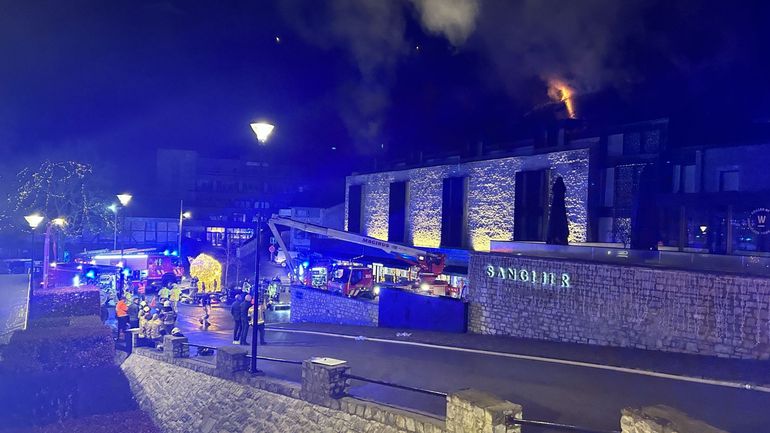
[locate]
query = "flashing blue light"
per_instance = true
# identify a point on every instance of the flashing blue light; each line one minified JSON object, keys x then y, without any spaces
{"x":165,"y":253}
{"x":126,"y":272}
{"x":91,"y":274}
{"x":175,"y":253}
{"x":305,"y":264}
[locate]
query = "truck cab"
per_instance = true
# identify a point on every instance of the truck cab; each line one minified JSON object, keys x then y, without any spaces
{"x":352,"y":281}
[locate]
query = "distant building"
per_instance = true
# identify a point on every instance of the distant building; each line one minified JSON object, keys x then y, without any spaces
{"x":331,"y":217}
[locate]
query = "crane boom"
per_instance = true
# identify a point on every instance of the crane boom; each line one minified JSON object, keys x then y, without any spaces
{"x":430,"y":262}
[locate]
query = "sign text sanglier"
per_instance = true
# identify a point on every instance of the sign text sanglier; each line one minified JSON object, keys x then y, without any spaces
{"x":528,"y":276}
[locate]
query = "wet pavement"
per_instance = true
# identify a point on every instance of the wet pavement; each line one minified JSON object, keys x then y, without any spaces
{"x":553,"y":392}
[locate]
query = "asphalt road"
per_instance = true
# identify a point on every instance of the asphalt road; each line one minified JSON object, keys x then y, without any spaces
{"x":560,"y":393}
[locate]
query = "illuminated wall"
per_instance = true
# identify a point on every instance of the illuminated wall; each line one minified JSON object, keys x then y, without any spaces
{"x":490,"y":199}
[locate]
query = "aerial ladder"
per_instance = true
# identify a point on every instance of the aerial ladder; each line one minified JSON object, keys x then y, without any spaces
{"x":430,"y":264}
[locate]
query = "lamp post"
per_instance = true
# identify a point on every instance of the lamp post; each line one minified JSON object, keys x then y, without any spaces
{"x":182,"y":216}
{"x":124,"y":199}
{"x":33,"y":220}
{"x":262,"y":130}
{"x":59,"y":222}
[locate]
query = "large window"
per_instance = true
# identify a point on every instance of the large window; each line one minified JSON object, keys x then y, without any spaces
{"x":530,"y":205}
{"x":453,"y":212}
{"x":397,"y":212}
{"x":354,"y":208}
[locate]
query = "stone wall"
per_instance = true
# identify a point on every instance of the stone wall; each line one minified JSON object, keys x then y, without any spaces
{"x":662,"y":419}
{"x":490,"y":200}
{"x":185,"y":395}
{"x":627,"y":306}
{"x":319,"y":306}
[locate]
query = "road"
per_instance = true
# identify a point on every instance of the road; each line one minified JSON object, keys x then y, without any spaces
{"x":561,"y":393}
{"x":13,"y":290}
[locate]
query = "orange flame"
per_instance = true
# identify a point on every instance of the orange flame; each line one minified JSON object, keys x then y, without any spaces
{"x":560,"y":91}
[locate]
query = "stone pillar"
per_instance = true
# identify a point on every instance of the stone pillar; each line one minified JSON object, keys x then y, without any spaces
{"x":661,"y":419}
{"x":231,"y":359}
{"x":473,"y":411}
{"x":323,"y":383}
{"x":175,"y":347}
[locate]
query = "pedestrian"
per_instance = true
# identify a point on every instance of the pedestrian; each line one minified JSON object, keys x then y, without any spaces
{"x":175,"y":296}
{"x":105,"y":311}
{"x":133,"y":313}
{"x":244,"y":316}
{"x":235,"y":311}
{"x":168,"y":316}
{"x":206,"y":305}
{"x":155,"y":330}
{"x":144,"y":311}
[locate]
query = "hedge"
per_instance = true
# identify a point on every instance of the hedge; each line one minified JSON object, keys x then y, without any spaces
{"x":134,"y":421}
{"x":57,"y":322}
{"x":83,"y":344}
{"x":64,"y":302}
{"x":42,"y":398}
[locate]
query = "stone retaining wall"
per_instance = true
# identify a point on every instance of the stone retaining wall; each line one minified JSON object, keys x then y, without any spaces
{"x":627,"y":306}
{"x":319,"y":306}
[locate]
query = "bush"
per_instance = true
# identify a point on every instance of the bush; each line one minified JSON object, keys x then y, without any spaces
{"x":134,"y":421}
{"x":64,"y":302}
{"x":41,"y":398}
{"x":86,"y":343}
{"x":59,"y":322}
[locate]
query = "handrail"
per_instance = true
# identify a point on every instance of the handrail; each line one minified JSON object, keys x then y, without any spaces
{"x":553,"y":425}
{"x":285,"y":361}
{"x":201,"y":345}
{"x":395,"y":385}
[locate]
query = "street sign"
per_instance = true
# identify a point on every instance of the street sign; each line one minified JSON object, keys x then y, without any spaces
{"x":272,"y":248}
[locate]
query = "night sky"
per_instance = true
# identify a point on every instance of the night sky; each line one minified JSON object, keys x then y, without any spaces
{"x":109,"y":82}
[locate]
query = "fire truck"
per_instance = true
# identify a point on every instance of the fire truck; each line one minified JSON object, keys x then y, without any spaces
{"x":156,"y":269}
{"x":352,"y":280}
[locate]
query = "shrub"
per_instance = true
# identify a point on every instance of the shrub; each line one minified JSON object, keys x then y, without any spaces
{"x":64,"y":302}
{"x":58,"y":322}
{"x":87,"y":343}
{"x":43,"y":398}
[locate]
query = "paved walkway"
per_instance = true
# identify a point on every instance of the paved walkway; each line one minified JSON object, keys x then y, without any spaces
{"x":744,"y":371}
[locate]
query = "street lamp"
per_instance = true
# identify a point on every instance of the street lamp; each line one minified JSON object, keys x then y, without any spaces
{"x":182,"y":216}
{"x":124,"y":199}
{"x":262,"y":130}
{"x":33,"y":220}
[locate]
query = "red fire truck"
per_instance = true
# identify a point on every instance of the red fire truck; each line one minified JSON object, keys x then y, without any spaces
{"x":155,"y":269}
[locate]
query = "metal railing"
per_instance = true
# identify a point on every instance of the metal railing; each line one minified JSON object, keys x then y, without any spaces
{"x":554,"y":426}
{"x":396,"y":385}
{"x":198,"y":355}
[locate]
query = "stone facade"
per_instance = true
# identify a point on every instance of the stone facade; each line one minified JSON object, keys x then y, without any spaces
{"x":627,"y":306}
{"x":473,"y":411}
{"x":662,"y":419}
{"x":320,"y":383}
{"x":319,"y":306}
{"x":490,"y":199}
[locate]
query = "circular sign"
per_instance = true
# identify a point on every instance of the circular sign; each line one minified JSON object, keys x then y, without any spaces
{"x":272,"y":248}
{"x":759,"y":221}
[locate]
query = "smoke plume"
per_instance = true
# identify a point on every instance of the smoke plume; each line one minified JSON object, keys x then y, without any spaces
{"x":454,"y":19}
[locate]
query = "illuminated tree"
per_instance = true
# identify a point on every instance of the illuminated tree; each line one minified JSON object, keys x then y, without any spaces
{"x":558,"y":227}
{"x":59,"y":189}
{"x":208,"y":271}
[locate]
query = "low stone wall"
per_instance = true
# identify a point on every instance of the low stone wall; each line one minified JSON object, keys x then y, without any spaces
{"x":185,"y":395}
{"x":627,"y":306}
{"x":319,"y":306}
{"x":662,"y":419}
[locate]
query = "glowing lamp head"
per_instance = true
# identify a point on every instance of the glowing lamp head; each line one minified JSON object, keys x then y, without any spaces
{"x":59,"y":221}
{"x":187,"y":215}
{"x":124,"y":198}
{"x":34,"y":220}
{"x":262,"y":130}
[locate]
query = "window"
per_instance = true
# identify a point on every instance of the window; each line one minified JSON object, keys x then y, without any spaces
{"x":397,"y":212}
{"x":530,"y":205}
{"x":453,"y":212}
{"x":215,"y":236}
{"x":354,"y":208}
{"x":728,"y":180}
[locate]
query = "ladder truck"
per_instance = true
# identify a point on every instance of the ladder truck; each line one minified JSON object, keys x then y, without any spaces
{"x":430,"y":264}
